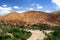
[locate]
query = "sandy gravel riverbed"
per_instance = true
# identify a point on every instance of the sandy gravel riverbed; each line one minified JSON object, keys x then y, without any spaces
{"x":37,"y":35}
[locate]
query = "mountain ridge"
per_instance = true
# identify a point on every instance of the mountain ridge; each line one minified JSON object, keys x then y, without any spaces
{"x":29,"y":18}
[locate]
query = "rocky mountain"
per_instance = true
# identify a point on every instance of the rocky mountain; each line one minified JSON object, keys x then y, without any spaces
{"x":56,"y":16}
{"x":30,"y":18}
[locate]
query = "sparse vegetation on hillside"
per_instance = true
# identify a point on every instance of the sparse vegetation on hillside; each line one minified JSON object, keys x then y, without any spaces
{"x":40,"y":27}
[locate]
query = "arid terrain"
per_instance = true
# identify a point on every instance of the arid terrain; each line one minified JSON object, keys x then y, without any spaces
{"x":34,"y":18}
{"x":30,"y":18}
{"x":37,"y":34}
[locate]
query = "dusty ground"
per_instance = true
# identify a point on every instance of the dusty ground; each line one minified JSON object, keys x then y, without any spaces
{"x":37,"y":35}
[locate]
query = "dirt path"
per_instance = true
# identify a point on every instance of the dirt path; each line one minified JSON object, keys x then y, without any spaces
{"x":36,"y":35}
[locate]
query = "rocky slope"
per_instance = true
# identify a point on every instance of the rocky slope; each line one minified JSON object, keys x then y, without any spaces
{"x":30,"y":18}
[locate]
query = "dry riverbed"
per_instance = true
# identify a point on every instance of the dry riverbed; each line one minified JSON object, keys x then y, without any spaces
{"x":37,"y":35}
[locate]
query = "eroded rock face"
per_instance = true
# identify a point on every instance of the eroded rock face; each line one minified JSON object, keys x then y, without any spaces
{"x":29,"y":18}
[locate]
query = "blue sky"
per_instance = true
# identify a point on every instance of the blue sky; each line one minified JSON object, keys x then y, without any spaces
{"x":7,"y":6}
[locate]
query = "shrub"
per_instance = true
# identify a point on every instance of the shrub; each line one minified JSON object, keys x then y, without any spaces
{"x":54,"y":36}
{"x":15,"y":31}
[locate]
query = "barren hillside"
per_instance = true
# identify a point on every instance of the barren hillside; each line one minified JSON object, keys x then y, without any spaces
{"x":30,"y":18}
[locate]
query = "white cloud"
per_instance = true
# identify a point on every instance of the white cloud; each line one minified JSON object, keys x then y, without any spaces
{"x":20,"y":11}
{"x":39,"y":7}
{"x":47,"y":11}
{"x":32,"y":4}
{"x":57,"y":2}
{"x":31,"y":9}
{"x":5,"y":10}
{"x":16,"y":7}
{"x":4,"y":5}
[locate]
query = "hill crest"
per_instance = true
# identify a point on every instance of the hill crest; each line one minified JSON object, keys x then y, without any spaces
{"x":30,"y":17}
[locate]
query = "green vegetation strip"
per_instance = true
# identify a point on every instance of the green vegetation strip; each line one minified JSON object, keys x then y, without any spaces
{"x":13,"y":33}
{"x":54,"y":35}
{"x":17,"y":32}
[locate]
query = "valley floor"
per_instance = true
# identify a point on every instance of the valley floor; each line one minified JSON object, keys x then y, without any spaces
{"x":37,"y":35}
